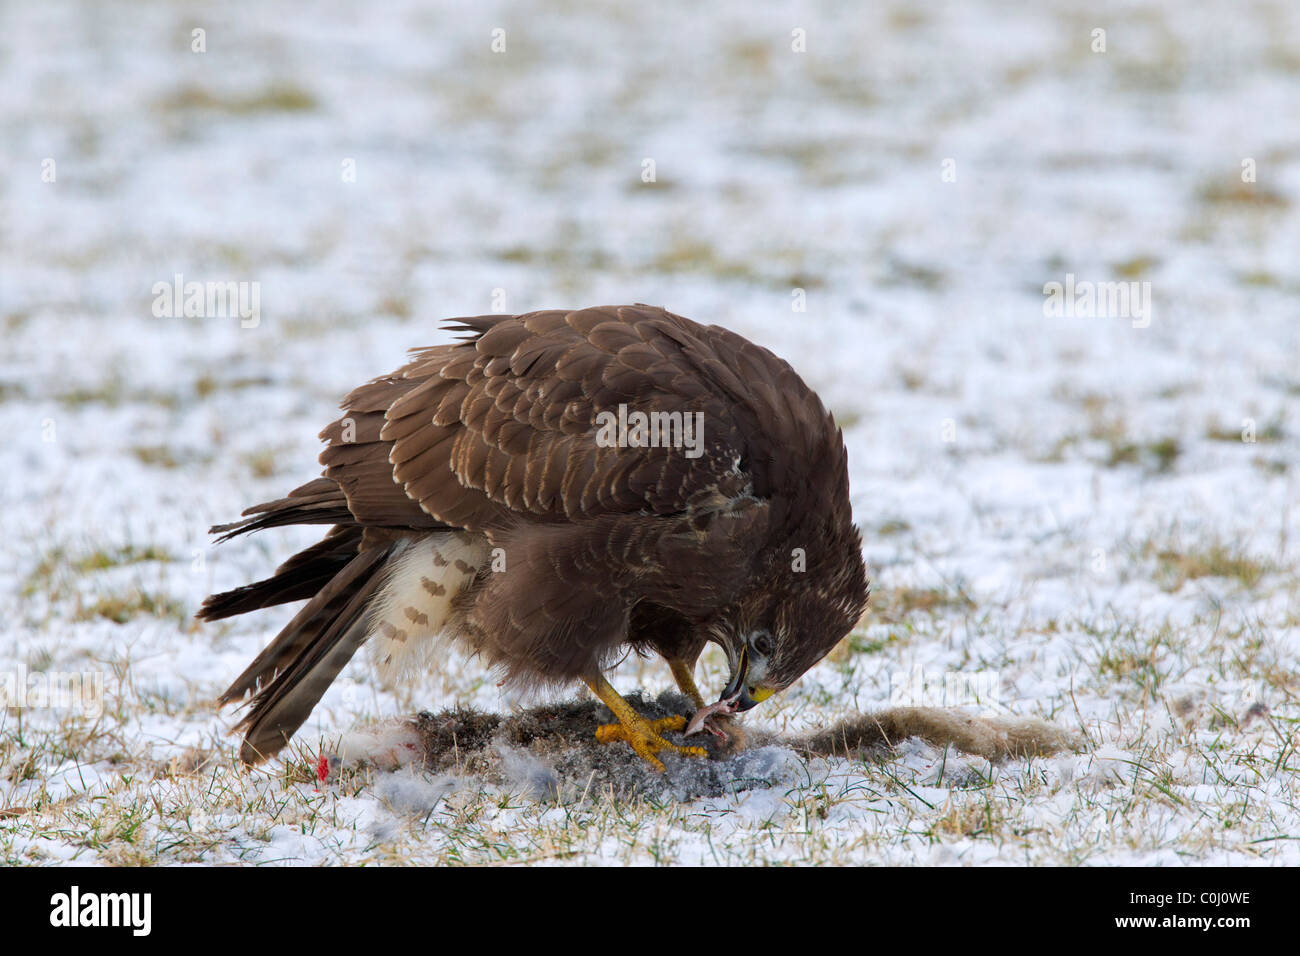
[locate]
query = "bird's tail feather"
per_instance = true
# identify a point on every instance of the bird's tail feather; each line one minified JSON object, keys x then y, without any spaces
{"x":301,"y":577}
{"x":320,"y":501}
{"x":294,"y":670}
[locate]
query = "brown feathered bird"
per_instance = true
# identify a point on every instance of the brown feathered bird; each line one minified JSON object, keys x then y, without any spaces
{"x":551,"y":490}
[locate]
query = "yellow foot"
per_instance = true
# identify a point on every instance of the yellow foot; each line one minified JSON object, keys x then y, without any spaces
{"x":643,"y":736}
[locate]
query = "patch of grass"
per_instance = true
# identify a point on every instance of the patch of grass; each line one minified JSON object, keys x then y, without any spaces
{"x":274,"y":98}
{"x":1130,"y":655}
{"x":16,"y":320}
{"x":1105,"y":425}
{"x":1164,"y":452}
{"x":900,"y":603}
{"x":158,"y":456}
{"x":1259,"y":278}
{"x":861,"y":643}
{"x":969,"y":818}
{"x":134,"y":603}
{"x":1234,"y":194}
{"x":563,"y":256}
{"x":1131,"y":665}
{"x":58,"y":563}
{"x":205,"y":385}
{"x":102,"y":558}
{"x":749,"y":55}
{"x":913,"y":379}
{"x":846,"y":419}
{"x":914,"y":274}
{"x":817,"y":160}
{"x":208,"y":384}
{"x":1175,"y":567}
{"x":1216,"y":432}
{"x":114,"y":392}
{"x":1272,"y":431}
{"x":261,"y":462}
{"x":1056,"y":453}
{"x":1136,"y":267}
{"x":892,"y":526}
{"x":692,"y":254}
{"x":395,"y":304}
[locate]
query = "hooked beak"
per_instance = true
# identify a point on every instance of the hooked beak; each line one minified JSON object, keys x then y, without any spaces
{"x":739,"y":693}
{"x":737,"y":696}
{"x":736,"y":693}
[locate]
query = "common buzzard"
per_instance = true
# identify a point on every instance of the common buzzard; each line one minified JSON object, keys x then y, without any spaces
{"x":550,"y":490}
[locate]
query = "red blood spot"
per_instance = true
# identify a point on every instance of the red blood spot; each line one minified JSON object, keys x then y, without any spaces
{"x":323,"y":768}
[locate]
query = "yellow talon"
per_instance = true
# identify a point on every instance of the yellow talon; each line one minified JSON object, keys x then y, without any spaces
{"x":642,"y":735}
{"x":608,"y":733}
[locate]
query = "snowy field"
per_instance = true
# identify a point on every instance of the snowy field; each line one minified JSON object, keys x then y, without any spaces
{"x":1086,"y":514}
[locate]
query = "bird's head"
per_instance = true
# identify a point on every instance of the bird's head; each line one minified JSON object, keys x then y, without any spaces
{"x":774,"y":635}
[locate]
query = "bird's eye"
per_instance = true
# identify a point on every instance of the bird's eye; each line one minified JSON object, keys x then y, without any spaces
{"x":762,"y":643}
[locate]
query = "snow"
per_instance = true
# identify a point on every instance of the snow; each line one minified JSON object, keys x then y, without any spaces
{"x":1093,"y":469}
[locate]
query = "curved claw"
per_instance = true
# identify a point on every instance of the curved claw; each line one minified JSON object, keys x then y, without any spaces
{"x":644,"y":737}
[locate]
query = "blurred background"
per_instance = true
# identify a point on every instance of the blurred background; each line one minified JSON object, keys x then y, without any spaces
{"x":879,"y":193}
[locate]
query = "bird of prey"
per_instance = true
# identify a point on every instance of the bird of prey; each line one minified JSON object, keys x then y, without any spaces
{"x":553,"y":489}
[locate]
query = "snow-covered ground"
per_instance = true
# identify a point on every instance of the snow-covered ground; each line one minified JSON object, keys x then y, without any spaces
{"x":1089,"y":515}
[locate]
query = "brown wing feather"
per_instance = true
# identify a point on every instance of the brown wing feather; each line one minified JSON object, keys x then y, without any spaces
{"x":534,"y":388}
{"x":502,"y":426}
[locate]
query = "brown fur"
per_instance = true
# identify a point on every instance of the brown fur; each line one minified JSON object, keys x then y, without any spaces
{"x":558,"y":738}
{"x":995,"y":738}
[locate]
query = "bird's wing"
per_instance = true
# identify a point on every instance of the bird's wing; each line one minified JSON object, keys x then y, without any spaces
{"x":505,"y":425}
{"x":500,"y":434}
